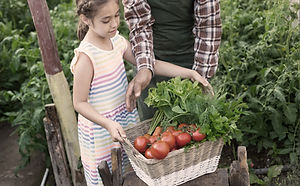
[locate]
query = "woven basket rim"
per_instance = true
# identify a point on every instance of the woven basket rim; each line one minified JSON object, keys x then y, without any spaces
{"x":139,"y":156}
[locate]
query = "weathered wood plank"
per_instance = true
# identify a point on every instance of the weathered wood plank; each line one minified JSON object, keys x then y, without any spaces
{"x":58,"y":85}
{"x":218,"y":178}
{"x":116,"y":163}
{"x":105,"y":173}
{"x":56,"y":148}
{"x":239,"y":174}
{"x":42,"y":22}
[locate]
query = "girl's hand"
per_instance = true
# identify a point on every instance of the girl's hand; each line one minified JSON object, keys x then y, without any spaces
{"x":207,"y":88}
{"x":116,"y":131}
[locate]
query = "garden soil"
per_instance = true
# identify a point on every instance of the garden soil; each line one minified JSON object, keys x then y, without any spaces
{"x":31,"y":175}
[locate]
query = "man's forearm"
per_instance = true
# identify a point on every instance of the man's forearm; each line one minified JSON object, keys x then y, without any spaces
{"x":208,"y":31}
{"x":139,"y":19}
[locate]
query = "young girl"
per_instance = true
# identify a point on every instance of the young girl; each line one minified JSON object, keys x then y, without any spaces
{"x":100,"y":83}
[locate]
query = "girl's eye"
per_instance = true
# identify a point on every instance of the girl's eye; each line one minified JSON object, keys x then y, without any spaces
{"x":105,"y":22}
{"x":117,"y":14}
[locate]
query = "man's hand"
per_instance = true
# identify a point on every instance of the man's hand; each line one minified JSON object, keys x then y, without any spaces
{"x":206,"y":87}
{"x":136,"y":86}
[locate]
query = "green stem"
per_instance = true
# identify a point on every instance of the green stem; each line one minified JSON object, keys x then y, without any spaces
{"x":157,"y":118}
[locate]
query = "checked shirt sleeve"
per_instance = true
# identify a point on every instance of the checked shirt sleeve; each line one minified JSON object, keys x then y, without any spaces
{"x":139,"y":20}
{"x":207,"y":31}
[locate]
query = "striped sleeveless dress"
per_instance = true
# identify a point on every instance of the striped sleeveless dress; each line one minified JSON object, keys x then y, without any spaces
{"x":107,"y":96}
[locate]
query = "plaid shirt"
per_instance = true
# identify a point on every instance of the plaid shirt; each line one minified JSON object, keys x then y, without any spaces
{"x":207,"y":30}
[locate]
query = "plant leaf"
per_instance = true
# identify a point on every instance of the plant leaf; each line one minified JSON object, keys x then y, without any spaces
{"x":274,"y":171}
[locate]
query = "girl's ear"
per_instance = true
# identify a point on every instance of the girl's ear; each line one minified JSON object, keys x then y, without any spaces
{"x":84,"y":19}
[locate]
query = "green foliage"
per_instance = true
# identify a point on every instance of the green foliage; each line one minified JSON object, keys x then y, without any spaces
{"x":273,"y":172}
{"x":182,"y":101}
{"x":260,"y":63}
{"x":24,"y":90}
{"x":23,"y":87}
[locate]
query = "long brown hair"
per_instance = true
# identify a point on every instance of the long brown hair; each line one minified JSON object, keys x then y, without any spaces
{"x":88,"y":8}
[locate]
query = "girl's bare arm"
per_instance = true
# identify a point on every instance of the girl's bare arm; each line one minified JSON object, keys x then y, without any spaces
{"x":83,"y":74}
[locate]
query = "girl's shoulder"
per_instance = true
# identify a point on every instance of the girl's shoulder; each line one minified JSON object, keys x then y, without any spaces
{"x":84,"y":47}
{"x":119,"y":42}
{"x":118,"y":38}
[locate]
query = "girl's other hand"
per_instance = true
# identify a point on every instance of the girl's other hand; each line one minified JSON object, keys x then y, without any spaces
{"x":116,"y":131}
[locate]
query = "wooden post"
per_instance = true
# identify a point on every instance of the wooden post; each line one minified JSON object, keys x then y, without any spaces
{"x":58,"y":85}
{"x":239,"y":174}
{"x":116,"y":165}
{"x":56,"y":148}
{"x":105,"y":173}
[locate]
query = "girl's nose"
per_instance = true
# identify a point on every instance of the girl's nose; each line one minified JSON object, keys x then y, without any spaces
{"x":115,"y":22}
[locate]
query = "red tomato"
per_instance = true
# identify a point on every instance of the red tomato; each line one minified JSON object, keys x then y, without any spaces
{"x":182,"y":125}
{"x":171,"y":129}
{"x":148,"y":154}
{"x":140,"y":143}
{"x":153,"y":139}
{"x":197,"y":136}
{"x":176,"y":132}
{"x":157,"y":131}
{"x":183,"y":139}
{"x":147,"y":136}
{"x":169,"y":139}
{"x":192,"y":128}
{"x":166,"y":133}
{"x":160,"y":150}
{"x":173,"y":149}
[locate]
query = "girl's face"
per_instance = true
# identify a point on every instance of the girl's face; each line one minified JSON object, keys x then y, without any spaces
{"x":107,"y":20}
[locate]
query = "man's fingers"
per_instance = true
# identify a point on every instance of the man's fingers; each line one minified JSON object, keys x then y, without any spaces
{"x":209,"y":90}
{"x":133,"y":102}
{"x":137,"y":89}
{"x":128,"y":97}
{"x":203,"y":81}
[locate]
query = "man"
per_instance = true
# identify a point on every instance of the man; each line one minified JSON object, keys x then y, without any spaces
{"x":184,"y":32}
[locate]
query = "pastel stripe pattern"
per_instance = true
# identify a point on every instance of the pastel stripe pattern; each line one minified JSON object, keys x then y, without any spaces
{"x":107,"y":95}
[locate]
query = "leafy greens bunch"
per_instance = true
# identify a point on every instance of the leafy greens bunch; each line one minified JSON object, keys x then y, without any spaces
{"x":183,"y":101}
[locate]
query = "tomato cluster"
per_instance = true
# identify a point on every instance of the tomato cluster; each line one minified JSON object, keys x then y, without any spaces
{"x":161,"y":142}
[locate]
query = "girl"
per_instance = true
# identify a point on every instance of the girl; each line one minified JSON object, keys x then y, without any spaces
{"x":100,"y":83}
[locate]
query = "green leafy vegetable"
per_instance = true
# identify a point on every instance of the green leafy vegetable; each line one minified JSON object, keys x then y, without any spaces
{"x":182,"y":101}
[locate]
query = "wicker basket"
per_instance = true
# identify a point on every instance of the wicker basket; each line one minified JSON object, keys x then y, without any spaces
{"x":178,"y":167}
